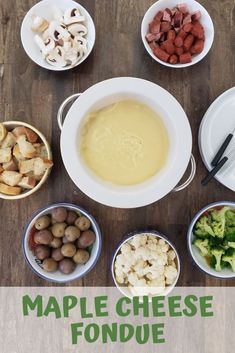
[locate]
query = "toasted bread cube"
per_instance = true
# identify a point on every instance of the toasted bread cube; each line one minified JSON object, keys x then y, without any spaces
{"x":18,"y":131}
{"x":26,"y":166}
{"x":41,"y":150}
{"x":26,"y":148}
{"x":37,"y":166}
{"x":32,"y":175}
{"x":31,"y":135}
{"x":11,"y":178}
{"x":5,"y":155}
{"x":10,"y":166}
{"x":27,"y":183}
{"x":9,"y":141}
{"x":41,"y":165}
{"x":10,"y":190}
{"x":16,"y":153}
{"x":3,"y":132}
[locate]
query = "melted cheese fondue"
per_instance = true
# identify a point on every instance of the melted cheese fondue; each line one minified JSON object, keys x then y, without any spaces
{"x":125,"y":143}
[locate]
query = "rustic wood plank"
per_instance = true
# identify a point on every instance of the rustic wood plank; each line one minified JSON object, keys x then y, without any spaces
{"x":32,"y":94}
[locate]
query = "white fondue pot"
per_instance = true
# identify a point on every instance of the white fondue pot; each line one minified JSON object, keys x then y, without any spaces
{"x":175,"y":121}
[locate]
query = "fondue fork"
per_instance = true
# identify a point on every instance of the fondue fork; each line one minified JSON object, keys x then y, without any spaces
{"x":222,"y":149}
{"x":217,"y":168}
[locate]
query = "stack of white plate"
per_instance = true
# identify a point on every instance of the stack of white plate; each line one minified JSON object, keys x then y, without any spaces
{"x":217,"y":124}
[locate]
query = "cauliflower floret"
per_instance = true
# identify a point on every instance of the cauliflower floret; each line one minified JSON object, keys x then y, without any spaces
{"x":132,"y":278}
{"x":170,"y":273}
{"x":159,"y":259}
{"x":171,"y":255}
{"x":154,"y":247}
{"x":154,"y":272}
{"x":172,"y":263}
{"x":142,"y":253}
{"x":126,"y":249}
{"x":161,"y":242}
{"x":120,"y":260}
{"x":139,"y":268}
{"x":123,"y":263}
{"x":120,"y":279}
{"x":119,"y":272}
{"x":152,"y":239}
{"x":169,"y":281}
{"x":138,"y":241}
{"x":164,"y":246}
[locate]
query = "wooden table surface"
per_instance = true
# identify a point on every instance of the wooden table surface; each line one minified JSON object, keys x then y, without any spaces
{"x":32,"y":94}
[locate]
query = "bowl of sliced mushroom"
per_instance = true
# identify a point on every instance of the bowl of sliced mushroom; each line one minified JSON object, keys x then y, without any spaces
{"x":25,"y":160}
{"x":58,"y":35}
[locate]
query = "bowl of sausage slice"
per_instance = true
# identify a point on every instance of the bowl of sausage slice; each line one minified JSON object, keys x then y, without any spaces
{"x":177,"y":34}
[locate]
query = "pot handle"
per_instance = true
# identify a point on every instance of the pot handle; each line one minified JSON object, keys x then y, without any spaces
{"x":62,"y":108}
{"x":190,"y":178}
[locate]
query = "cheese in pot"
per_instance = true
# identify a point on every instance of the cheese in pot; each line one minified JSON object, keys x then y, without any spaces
{"x":125,"y":143}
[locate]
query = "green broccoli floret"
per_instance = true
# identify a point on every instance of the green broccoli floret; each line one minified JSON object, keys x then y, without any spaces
{"x":223,"y":264}
{"x":214,"y":241}
{"x":229,"y":257}
{"x":203,"y":229}
{"x":230,"y":233}
{"x":230,"y":218}
{"x":231,"y":244}
{"x":217,"y":252}
{"x":218,"y":221}
{"x":202,"y":245}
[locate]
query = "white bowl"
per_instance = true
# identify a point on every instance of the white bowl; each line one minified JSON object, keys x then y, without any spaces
{"x":44,"y":8}
{"x":109,"y":92}
{"x":124,"y":289}
{"x":81,"y":270}
{"x":194,"y":251}
{"x":10,"y":125}
{"x":193,"y":5}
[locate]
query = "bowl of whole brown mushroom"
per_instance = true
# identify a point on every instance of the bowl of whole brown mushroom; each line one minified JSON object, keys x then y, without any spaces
{"x":62,"y":243}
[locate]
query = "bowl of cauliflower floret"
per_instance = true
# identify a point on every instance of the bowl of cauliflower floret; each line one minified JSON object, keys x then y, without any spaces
{"x":145,"y":263}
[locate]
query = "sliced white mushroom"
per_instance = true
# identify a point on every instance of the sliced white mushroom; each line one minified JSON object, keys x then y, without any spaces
{"x":46,"y":34}
{"x":58,"y":14}
{"x":72,"y":56}
{"x":50,"y":44}
{"x":77,"y":29}
{"x":73,"y":15}
{"x":39,"y":24}
{"x":80,"y":41}
{"x":58,"y":31}
{"x":67,"y":46}
{"x":56,"y":57}
{"x":44,"y":46}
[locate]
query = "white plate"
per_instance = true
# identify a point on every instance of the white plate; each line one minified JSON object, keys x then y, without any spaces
{"x":217,"y":123}
{"x":44,"y":9}
{"x":174,"y":118}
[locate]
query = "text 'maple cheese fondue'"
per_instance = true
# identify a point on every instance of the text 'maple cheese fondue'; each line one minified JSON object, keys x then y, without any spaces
{"x":125,"y":143}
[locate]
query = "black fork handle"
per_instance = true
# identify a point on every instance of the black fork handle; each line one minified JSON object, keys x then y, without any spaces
{"x":222,"y":150}
{"x":214,"y":171}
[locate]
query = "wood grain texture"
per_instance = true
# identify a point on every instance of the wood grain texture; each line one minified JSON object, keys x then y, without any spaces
{"x":32,"y":94}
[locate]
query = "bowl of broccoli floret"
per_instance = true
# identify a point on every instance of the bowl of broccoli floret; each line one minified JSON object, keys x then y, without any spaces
{"x":211,"y":239}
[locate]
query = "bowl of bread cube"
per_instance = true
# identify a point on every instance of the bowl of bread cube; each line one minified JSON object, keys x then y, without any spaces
{"x":25,"y":160}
